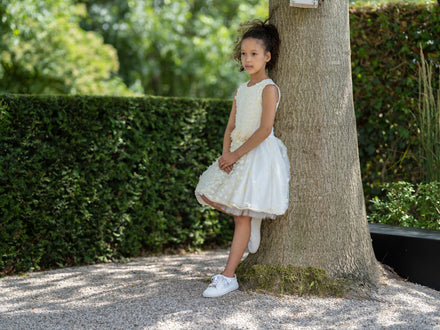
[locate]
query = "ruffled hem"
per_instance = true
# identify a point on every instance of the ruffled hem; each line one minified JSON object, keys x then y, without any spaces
{"x":235,"y":210}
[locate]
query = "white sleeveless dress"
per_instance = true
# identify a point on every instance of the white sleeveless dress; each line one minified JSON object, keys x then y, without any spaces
{"x":258,"y":185}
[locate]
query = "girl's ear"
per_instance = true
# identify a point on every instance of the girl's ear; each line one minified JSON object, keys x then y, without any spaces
{"x":268,"y":57}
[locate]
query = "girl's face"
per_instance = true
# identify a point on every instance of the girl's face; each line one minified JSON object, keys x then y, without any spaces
{"x":254,"y":56}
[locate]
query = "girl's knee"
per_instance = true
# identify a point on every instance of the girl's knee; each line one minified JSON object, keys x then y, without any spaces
{"x":242,"y":220}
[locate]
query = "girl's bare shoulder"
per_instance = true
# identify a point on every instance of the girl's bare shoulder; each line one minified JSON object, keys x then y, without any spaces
{"x":271,"y":92}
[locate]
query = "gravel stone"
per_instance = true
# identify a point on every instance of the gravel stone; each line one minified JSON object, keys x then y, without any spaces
{"x":166,"y":293}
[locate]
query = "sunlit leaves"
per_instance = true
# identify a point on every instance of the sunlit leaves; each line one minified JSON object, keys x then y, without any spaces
{"x":178,"y":48}
{"x":44,"y":51}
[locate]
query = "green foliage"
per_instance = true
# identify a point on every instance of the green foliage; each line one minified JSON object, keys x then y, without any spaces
{"x":174,"y":48}
{"x":407,"y":206}
{"x":385,"y":52}
{"x":44,"y":51}
{"x":428,"y":117}
{"x":377,"y":3}
{"x":84,"y":179}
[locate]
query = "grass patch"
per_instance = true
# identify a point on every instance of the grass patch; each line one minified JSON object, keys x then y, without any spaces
{"x":290,"y":280}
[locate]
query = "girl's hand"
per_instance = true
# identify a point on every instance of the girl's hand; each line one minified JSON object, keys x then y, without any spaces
{"x":228,"y":169}
{"x":227,"y":161}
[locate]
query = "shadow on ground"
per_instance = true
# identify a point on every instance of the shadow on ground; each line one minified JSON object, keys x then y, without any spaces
{"x":165,"y":292}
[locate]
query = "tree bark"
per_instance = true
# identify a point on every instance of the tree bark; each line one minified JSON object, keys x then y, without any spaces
{"x":325,"y":225}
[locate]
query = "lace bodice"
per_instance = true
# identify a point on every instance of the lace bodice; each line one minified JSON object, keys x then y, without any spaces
{"x":249,"y":105}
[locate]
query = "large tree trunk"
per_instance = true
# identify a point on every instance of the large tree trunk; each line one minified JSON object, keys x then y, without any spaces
{"x":325,"y":226}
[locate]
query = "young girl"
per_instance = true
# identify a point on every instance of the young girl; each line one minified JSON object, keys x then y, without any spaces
{"x":250,"y":181}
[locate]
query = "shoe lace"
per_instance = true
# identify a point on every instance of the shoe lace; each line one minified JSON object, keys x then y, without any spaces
{"x":216,"y":279}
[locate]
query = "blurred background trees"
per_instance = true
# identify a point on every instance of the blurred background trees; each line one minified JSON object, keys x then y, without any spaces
{"x":124,"y":47}
{"x":45,"y":51}
{"x":174,"y":48}
{"x":178,"y":48}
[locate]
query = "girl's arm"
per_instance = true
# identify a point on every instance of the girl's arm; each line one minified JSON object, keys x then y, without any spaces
{"x":229,"y":127}
{"x":270,"y":98}
{"x":227,"y":136}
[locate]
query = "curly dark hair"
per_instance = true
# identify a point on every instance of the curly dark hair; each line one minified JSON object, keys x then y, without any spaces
{"x":264,"y":31}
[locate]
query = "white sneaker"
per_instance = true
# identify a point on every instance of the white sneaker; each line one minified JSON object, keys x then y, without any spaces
{"x":220,"y":285}
{"x":254,"y":240}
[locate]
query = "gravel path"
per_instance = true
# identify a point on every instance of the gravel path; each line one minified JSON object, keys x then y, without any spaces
{"x":166,"y":293}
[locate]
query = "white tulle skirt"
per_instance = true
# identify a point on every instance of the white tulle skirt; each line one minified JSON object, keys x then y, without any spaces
{"x":258,"y":185}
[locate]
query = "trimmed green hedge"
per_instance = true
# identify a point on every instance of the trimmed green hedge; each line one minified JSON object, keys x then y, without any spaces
{"x":90,"y":178}
{"x":385,"y":52}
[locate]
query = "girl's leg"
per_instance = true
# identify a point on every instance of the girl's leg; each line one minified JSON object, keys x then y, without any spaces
{"x":227,"y":282}
{"x":242,"y":233}
{"x":240,"y":241}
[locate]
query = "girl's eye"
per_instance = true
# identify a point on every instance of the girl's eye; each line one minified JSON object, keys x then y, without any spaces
{"x":254,"y":54}
{"x":242,"y":54}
